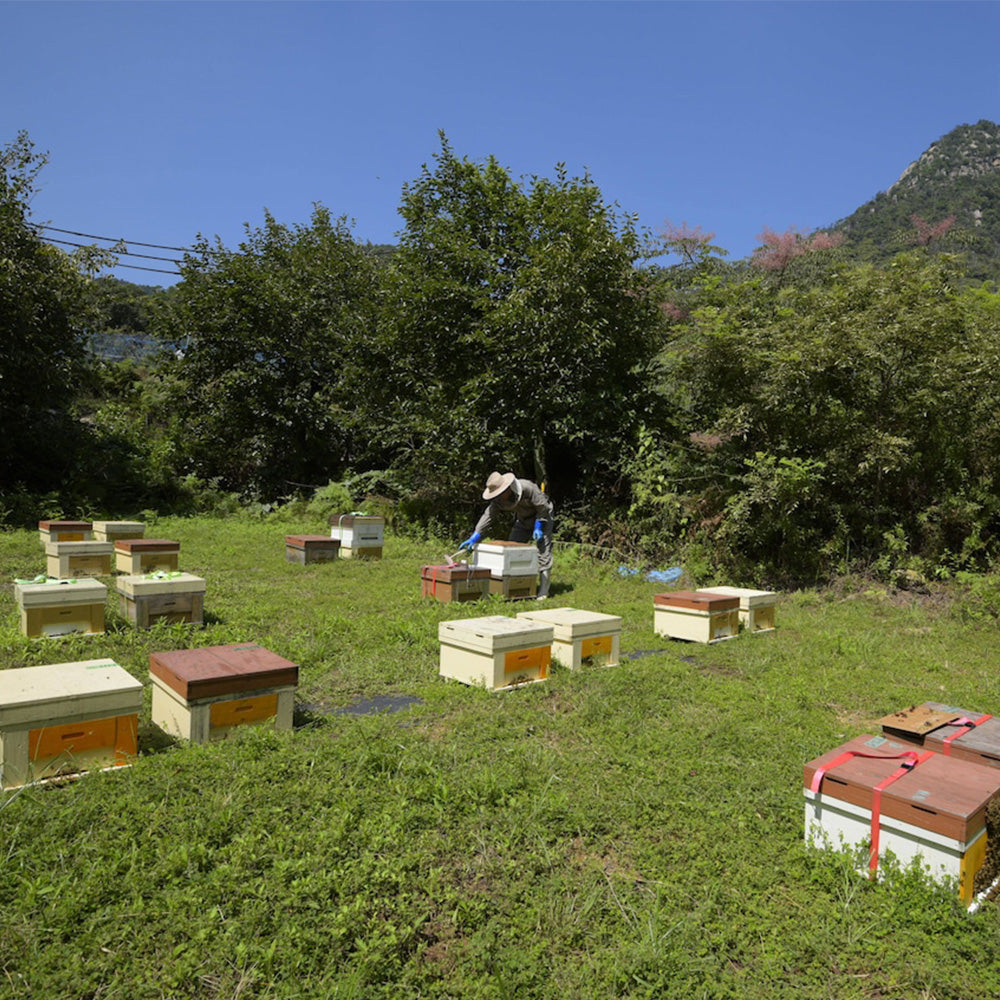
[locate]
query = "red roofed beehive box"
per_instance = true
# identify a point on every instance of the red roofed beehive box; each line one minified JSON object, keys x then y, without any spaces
{"x":894,"y":797}
{"x":202,"y":694}
{"x":449,"y":582}
{"x":696,"y":616}
{"x":136,"y":556}
{"x":65,"y":531}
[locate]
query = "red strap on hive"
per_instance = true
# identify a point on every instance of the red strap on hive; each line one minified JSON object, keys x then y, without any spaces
{"x":969,"y":725}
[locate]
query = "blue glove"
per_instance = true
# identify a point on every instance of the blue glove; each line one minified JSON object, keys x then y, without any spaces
{"x":470,"y":541}
{"x":537,"y":534}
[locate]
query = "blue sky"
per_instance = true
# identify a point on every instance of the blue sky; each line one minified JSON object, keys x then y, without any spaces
{"x":166,"y":120}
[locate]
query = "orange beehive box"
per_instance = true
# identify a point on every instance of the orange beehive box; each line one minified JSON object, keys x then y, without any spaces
{"x":201,"y":694}
{"x":66,"y":717}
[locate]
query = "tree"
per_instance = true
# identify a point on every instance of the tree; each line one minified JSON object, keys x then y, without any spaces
{"x":42,"y":319}
{"x":517,"y":329}
{"x":272,"y":337}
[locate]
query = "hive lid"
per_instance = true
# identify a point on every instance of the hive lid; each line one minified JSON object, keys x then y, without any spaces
{"x":51,"y":592}
{"x":694,"y":600}
{"x":979,"y":744}
{"x":79,"y":683}
{"x":748,"y":598}
{"x":454,"y":572}
{"x":918,"y":720}
{"x":348,"y":520}
{"x":300,"y":541}
{"x":941,"y":794}
{"x":143,"y":584}
{"x":87,"y":548}
{"x":495,"y":632}
{"x":65,"y":525}
{"x":120,"y":526}
{"x":573,"y":623}
{"x":219,"y":670}
{"x":499,"y":545}
{"x":146,"y":545}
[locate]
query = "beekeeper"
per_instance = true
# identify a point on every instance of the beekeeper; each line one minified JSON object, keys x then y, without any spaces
{"x":532,"y":511}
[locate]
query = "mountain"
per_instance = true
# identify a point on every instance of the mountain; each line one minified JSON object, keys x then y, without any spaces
{"x":957,"y":176}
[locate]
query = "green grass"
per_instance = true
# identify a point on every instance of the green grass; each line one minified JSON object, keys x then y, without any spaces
{"x":635,"y":831}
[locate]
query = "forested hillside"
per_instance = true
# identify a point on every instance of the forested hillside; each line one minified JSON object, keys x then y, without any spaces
{"x":811,"y":410}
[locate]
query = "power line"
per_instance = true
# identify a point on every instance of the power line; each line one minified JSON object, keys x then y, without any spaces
{"x":117,"y":239}
{"x":127,"y":253}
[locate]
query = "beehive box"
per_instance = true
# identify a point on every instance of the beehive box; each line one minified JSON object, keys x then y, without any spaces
{"x":514,"y":588}
{"x":61,"y":607}
{"x":305,"y":549}
{"x":955,"y":732}
{"x":66,"y":717}
{"x":757,"y":607}
{"x":64,"y":560}
{"x":136,"y":556}
{"x":203,"y":694}
{"x":494,"y":651}
{"x":64,"y":531}
{"x":360,"y":535}
{"x":450,"y":582}
{"x":934,"y":811}
{"x":697,"y":617}
{"x":111,"y":531}
{"x":504,"y":559}
{"x":580,"y":635}
{"x":162,"y":597}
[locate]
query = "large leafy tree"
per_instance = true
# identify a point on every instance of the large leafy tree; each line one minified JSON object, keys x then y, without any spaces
{"x":42,"y":321}
{"x":516,"y":329}
{"x":270,"y":338}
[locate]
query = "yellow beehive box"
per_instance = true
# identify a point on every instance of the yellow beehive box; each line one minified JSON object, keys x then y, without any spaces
{"x":137,"y":556}
{"x":687,"y":614}
{"x":61,"y":607}
{"x":361,"y":536}
{"x":495,"y":652}
{"x":66,"y":717}
{"x":580,"y":635}
{"x":168,"y":597}
{"x":203,"y":694}
{"x":74,"y":559}
{"x":111,"y":531}
{"x":756,"y":606}
{"x":64,"y":531}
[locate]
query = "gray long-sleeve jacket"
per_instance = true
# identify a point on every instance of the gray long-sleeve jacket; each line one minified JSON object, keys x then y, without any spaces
{"x":530,"y":505}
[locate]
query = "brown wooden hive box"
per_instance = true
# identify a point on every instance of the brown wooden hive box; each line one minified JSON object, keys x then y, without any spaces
{"x":219,"y":670}
{"x":941,"y":794}
{"x":306,"y":549}
{"x":454,"y":582}
{"x":931,"y":725}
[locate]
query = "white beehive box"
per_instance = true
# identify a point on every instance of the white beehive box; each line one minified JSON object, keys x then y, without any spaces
{"x":64,"y":531}
{"x":495,"y":652}
{"x":66,"y":717}
{"x":361,"y":536}
{"x":111,"y":531}
{"x":168,"y":597}
{"x":504,"y":559}
{"x":580,"y":635}
{"x":73,"y":559}
{"x":756,"y":606}
{"x":686,"y":614}
{"x":61,"y":607}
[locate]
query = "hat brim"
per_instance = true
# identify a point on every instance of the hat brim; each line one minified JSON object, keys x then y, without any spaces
{"x":505,"y":481}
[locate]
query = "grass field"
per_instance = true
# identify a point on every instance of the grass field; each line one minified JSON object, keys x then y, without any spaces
{"x":632,"y":831}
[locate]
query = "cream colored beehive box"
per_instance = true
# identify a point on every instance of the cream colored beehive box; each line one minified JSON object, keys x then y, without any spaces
{"x":494,"y":651}
{"x":64,"y":560}
{"x":61,"y":607}
{"x":168,"y":597}
{"x":64,"y":531}
{"x":361,"y":536}
{"x":756,"y":606}
{"x":687,"y":614}
{"x":66,"y":717}
{"x":505,"y":559}
{"x":580,"y":635}
{"x":111,"y":531}
{"x":137,"y":556}
{"x":203,"y":694}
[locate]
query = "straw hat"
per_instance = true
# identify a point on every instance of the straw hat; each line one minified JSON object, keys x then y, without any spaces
{"x":496,"y":484}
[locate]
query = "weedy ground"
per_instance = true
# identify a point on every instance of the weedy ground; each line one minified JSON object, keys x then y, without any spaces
{"x":630,"y":831}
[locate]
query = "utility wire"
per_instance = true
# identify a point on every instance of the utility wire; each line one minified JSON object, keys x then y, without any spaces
{"x":117,"y":239}
{"x":127,"y":253}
